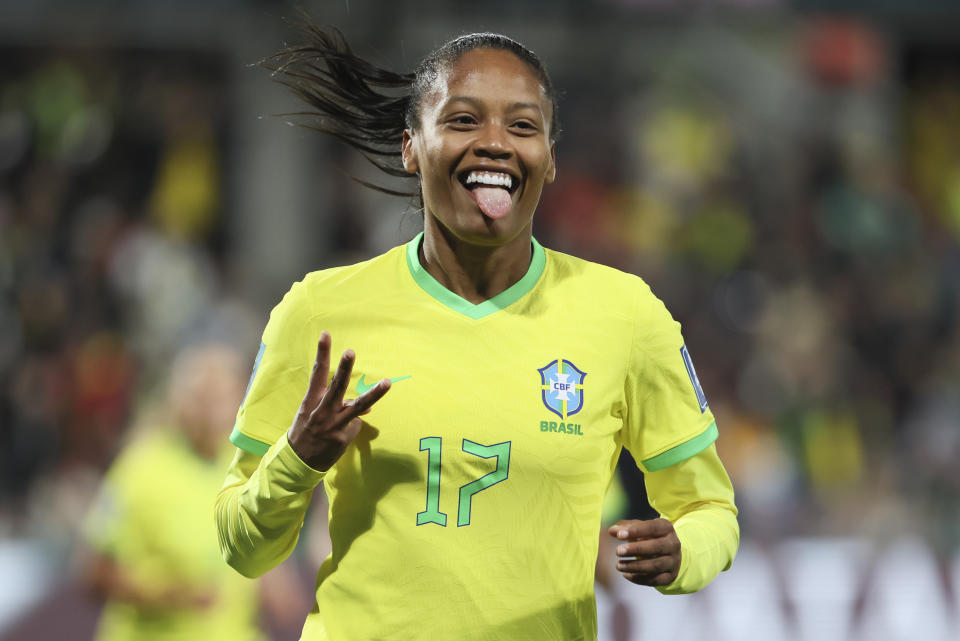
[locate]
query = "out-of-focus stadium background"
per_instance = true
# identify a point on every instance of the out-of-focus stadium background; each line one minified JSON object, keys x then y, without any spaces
{"x":785,"y":175}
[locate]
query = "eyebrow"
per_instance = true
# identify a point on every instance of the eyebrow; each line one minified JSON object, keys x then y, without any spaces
{"x":511,"y":107}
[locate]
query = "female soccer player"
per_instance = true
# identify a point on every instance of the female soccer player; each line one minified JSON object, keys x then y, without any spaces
{"x":464,"y":504}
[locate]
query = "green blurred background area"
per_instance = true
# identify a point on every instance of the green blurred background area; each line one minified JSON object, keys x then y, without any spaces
{"x":785,"y":175}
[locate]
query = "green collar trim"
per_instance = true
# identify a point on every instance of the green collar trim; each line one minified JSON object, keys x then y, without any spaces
{"x":445,"y":297}
{"x":683,"y":451}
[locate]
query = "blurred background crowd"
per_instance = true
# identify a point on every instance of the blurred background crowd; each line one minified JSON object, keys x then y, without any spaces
{"x":785,"y":175}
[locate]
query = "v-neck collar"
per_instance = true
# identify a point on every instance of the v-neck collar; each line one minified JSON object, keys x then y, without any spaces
{"x":444,"y":296}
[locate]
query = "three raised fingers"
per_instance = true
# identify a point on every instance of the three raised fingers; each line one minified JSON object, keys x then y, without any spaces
{"x":322,"y":399}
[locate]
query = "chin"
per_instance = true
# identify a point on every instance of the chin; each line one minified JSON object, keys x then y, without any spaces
{"x":481,"y":230}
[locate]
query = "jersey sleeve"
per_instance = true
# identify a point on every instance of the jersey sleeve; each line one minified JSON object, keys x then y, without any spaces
{"x":280,"y":375}
{"x":668,"y":419}
{"x":697,"y":497}
{"x":261,"y":506}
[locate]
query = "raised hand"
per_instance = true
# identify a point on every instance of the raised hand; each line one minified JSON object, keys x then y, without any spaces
{"x":650,"y":552}
{"x":325,"y":424}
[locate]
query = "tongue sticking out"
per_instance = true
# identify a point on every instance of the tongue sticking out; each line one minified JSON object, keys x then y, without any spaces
{"x":493,"y":201}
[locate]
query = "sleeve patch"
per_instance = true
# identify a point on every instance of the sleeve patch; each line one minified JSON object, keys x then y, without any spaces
{"x":692,"y":373}
{"x":253,"y":374}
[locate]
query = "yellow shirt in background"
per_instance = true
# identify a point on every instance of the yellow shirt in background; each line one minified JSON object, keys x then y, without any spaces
{"x":153,"y":519}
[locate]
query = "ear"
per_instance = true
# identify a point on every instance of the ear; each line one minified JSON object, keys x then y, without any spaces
{"x":408,"y":153}
{"x":552,"y":169}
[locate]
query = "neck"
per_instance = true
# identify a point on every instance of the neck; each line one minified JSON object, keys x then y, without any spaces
{"x":473,"y":272}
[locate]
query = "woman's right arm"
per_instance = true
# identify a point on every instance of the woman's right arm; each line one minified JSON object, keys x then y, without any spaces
{"x":262,"y":504}
{"x":261,"y":507}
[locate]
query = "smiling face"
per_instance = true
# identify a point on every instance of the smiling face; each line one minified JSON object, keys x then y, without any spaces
{"x":483,"y":147}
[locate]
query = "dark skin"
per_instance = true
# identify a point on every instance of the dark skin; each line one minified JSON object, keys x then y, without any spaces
{"x":487,"y":112}
{"x":655,"y":547}
{"x":325,"y":424}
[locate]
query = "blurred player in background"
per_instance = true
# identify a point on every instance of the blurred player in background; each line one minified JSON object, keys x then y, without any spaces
{"x":154,"y":557}
{"x":465,"y":504}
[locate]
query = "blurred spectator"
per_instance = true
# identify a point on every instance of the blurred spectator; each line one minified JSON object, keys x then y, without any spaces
{"x":162,"y":577}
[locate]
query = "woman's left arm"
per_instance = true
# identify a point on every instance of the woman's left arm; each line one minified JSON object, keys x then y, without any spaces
{"x":698,"y":535}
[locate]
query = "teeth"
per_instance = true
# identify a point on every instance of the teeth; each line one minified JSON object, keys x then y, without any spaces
{"x":490,"y":178}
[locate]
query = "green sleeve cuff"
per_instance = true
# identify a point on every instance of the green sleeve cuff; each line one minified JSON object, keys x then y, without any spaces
{"x":248,"y":444}
{"x":683,"y":451}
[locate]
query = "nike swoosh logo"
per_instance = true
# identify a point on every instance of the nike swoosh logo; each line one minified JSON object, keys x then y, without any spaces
{"x":362,"y":387}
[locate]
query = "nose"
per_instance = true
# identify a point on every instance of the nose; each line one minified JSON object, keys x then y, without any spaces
{"x":492,"y":143}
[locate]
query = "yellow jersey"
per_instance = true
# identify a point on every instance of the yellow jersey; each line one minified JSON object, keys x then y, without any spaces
{"x":152,"y":518}
{"x":469,"y":505}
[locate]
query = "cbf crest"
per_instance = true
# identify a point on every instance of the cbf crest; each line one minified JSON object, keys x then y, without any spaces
{"x":562,"y":385}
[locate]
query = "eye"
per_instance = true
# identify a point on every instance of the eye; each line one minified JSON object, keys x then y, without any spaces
{"x":462,"y":120}
{"x":524,"y":127}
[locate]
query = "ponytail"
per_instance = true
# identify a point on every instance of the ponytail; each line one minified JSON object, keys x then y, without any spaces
{"x":353,"y":100}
